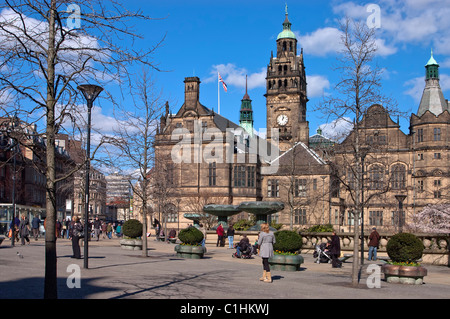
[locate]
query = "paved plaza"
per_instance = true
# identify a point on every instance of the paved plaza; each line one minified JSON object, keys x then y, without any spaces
{"x":120,"y":274}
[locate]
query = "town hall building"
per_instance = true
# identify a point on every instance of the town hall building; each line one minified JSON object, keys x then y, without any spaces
{"x":204,"y":158}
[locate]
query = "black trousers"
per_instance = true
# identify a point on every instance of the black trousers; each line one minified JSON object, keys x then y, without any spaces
{"x":220,"y":241}
{"x":265,"y":262}
{"x":76,"y":247}
{"x":335,"y":262}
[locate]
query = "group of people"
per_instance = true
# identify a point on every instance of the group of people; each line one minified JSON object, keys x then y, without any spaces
{"x":266,"y":240}
{"x":20,"y":228}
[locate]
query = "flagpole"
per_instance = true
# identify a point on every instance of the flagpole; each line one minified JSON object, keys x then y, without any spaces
{"x":218,"y":92}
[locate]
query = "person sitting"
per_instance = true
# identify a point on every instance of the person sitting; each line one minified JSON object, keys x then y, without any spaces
{"x":242,"y":245}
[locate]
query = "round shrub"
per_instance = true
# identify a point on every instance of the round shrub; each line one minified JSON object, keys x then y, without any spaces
{"x":404,"y":247}
{"x":132,"y":228}
{"x":287,"y":241}
{"x":190,"y":236}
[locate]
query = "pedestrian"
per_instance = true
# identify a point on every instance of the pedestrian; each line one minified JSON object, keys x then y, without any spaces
{"x":77,"y":233}
{"x":242,"y":245}
{"x":14,"y":228}
{"x":119,"y":230}
{"x":230,"y":235}
{"x":35,"y":223}
{"x":24,"y":229}
{"x":335,"y":251}
{"x":203,"y":230}
{"x":58,"y":228}
{"x":219,"y":232}
{"x":104,"y":229}
{"x":374,"y":241}
{"x":66,"y":227}
{"x":266,"y":239}
{"x":97,"y":226}
{"x":109,"y":230}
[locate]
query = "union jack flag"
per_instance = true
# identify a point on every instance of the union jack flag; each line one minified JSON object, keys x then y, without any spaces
{"x":225,"y":87}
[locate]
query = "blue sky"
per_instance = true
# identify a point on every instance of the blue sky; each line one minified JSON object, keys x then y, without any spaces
{"x":237,"y":37}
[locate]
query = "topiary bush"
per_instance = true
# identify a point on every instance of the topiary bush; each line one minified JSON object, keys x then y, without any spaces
{"x":405,"y":247}
{"x":132,"y":228}
{"x":243,"y":224}
{"x":190,"y":236}
{"x":287,"y":241}
{"x":328,"y":228}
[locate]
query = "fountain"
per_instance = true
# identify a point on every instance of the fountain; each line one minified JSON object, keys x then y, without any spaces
{"x":194,"y":217}
{"x":261,"y":210}
{"x":222,"y":212}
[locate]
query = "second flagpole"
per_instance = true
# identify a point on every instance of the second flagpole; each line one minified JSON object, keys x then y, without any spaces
{"x":218,"y":91}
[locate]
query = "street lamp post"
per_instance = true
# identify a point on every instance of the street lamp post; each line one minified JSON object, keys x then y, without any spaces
{"x":400,"y":199}
{"x":90,"y":93}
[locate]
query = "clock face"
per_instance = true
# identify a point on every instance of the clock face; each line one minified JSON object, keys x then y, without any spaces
{"x":282,"y":120}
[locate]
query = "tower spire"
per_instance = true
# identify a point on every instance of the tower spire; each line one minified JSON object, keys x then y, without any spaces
{"x":246,"y":118}
{"x":432,"y":98}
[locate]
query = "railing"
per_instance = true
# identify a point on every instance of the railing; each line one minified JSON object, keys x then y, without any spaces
{"x":436,"y":250}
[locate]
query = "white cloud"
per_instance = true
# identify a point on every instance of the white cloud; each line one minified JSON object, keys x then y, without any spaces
{"x":383,"y":49}
{"x":235,"y":76}
{"x":407,"y":21}
{"x":321,"y":42}
{"x":317,"y":85}
{"x":417,"y":85}
{"x":338,"y":129}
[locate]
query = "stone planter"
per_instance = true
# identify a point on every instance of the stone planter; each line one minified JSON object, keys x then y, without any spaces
{"x":131,"y":244}
{"x":190,"y":252}
{"x":409,"y":275}
{"x":285,"y":262}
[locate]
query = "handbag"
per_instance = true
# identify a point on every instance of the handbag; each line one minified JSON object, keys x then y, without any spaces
{"x":10,"y":233}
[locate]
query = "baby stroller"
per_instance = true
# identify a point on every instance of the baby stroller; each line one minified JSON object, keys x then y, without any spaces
{"x":244,"y":252}
{"x":322,"y":255}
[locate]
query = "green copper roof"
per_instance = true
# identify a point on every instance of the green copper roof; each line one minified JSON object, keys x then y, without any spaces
{"x":286,"y":33}
{"x":432,"y":61}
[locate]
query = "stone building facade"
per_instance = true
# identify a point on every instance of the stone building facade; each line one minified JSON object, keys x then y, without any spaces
{"x":203,"y":158}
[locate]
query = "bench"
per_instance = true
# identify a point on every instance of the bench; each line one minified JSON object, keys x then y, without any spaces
{"x":384,"y":259}
{"x":346,"y":256}
{"x":173,"y":240}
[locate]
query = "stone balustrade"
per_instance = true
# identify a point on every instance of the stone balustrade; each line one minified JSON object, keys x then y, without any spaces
{"x":436,"y":245}
{"x":436,"y":250}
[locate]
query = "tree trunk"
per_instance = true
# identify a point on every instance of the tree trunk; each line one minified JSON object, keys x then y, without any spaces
{"x":50,"y":288}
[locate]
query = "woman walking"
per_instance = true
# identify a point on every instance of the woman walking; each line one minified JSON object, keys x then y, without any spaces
{"x":24,"y":229}
{"x":266,"y":240}
{"x":76,"y":235}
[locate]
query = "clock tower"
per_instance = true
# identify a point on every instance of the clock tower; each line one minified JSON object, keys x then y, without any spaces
{"x":286,"y":91}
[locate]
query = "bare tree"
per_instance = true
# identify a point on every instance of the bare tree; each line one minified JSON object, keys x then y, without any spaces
{"x":134,"y":137}
{"x":43,"y":60}
{"x":358,"y":89}
{"x":195,"y":204}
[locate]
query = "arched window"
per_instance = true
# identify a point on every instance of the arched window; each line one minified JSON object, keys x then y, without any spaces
{"x":398,"y":176}
{"x":376,"y":176}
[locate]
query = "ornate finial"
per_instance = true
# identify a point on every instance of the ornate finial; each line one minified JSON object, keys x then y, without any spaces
{"x":286,"y":9}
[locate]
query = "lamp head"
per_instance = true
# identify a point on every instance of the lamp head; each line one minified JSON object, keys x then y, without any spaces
{"x":90,"y":91}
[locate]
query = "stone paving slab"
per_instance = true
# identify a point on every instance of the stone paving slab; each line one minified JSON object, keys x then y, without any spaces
{"x":120,"y":274}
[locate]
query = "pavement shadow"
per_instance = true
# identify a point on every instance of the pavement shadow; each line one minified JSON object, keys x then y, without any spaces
{"x":33,"y":288}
